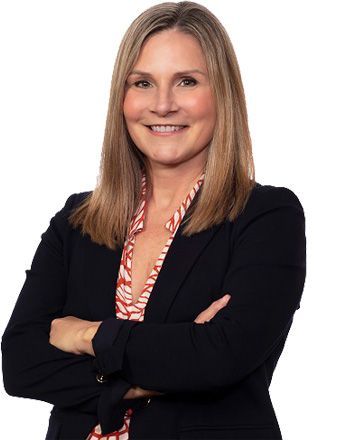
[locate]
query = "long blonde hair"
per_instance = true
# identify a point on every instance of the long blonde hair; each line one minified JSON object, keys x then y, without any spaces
{"x":229,"y":171}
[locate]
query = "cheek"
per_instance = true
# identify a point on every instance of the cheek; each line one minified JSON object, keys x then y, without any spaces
{"x":202,"y":108}
{"x":132,"y":108}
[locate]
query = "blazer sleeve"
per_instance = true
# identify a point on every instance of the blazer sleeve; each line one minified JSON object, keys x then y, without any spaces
{"x":265,"y":278}
{"x":34,"y":368}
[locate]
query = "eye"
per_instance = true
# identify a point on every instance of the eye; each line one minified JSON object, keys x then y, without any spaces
{"x":141,"y":81}
{"x":190,"y":79}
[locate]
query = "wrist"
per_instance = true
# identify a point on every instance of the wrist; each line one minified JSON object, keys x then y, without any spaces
{"x":85,"y":337}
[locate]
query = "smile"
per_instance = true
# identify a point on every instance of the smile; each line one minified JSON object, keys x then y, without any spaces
{"x":166,"y":130}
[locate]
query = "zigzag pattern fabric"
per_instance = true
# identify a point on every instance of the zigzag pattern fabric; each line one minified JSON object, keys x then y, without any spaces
{"x":124,"y":307}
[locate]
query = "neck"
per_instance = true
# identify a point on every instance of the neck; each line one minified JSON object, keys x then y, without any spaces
{"x":170,"y":186}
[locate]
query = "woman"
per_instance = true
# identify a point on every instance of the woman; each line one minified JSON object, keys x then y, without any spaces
{"x":123,"y":322}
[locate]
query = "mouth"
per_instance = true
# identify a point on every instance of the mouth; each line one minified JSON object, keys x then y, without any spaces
{"x":166,"y":130}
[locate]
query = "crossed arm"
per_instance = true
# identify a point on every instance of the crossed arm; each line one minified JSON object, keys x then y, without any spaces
{"x":266,"y":278}
{"x":74,"y":335}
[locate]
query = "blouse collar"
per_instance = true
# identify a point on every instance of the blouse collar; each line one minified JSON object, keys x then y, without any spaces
{"x":137,"y":223}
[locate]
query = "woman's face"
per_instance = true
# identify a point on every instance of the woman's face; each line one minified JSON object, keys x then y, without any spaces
{"x":163,"y":96}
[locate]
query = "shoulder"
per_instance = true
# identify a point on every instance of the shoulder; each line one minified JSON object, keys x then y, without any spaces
{"x":272,"y":205}
{"x":80,"y":197}
{"x":73,"y":200}
{"x":70,"y":203}
{"x":59,"y":225}
{"x":272,"y":226}
{"x":264,"y":197}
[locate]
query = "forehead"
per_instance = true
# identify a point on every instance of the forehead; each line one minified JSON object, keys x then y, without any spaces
{"x":173,"y":50}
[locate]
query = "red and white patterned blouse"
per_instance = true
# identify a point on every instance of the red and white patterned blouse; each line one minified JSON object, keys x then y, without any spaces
{"x":124,"y":307}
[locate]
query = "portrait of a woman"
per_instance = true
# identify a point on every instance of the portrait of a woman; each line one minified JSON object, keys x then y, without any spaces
{"x":158,"y":304}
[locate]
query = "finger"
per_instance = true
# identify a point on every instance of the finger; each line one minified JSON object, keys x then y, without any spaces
{"x":212,"y":310}
{"x":221,"y":302}
{"x":226,"y":298}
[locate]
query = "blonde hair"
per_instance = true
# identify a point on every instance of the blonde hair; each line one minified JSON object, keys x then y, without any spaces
{"x":229,"y":171}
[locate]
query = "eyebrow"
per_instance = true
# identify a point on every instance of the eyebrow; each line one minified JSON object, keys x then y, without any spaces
{"x":184,"y":72}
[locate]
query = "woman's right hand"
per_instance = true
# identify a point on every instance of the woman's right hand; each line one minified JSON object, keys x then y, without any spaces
{"x":212,"y":310}
{"x":137,"y":392}
{"x":205,"y":316}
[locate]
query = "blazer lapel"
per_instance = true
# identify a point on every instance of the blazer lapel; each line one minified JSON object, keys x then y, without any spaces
{"x":182,"y":254}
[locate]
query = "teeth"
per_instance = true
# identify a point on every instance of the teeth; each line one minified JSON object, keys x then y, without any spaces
{"x":166,"y":128}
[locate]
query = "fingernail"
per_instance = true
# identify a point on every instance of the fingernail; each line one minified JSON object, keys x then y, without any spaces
{"x":226,"y":297}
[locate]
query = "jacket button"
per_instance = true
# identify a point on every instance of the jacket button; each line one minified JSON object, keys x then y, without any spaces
{"x":101,"y":378}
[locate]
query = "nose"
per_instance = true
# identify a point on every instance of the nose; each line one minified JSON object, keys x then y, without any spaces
{"x":164,"y":100}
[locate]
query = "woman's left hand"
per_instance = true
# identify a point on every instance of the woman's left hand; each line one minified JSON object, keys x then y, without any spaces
{"x":73,"y":335}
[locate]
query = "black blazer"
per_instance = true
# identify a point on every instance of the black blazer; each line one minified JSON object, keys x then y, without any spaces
{"x":215,"y":376}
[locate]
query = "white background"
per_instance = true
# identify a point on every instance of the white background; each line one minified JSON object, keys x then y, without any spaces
{"x":56,"y":64}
